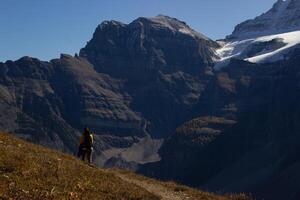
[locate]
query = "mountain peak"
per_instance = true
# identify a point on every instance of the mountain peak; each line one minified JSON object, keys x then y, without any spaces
{"x":283,"y":17}
{"x":165,"y":18}
{"x":156,"y":43}
{"x":158,"y":22}
{"x":170,"y":23}
{"x":110,"y":23}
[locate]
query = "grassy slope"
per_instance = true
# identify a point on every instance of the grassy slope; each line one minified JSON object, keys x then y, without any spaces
{"x":28,"y":171}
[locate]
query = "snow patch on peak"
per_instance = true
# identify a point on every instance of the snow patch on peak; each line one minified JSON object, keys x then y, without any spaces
{"x":266,"y":38}
{"x":290,"y":39}
{"x":269,"y":48}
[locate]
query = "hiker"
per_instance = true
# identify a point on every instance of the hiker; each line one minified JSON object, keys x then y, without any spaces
{"x":86,"y":145}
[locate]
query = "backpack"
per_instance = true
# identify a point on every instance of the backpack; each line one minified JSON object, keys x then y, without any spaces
{"x":88,"y":141}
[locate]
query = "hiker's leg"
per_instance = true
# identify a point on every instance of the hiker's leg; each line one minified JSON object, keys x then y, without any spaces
{"x":83,"y":155}
{"x":79,"y":153}
{"x":89,"y":153}
{"x":91,"y":156}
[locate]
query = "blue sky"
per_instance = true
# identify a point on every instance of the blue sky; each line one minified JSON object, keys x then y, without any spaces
{"x":46,"y":28}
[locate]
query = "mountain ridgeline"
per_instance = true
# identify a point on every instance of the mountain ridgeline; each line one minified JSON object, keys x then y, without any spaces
{"x":228,"y":129}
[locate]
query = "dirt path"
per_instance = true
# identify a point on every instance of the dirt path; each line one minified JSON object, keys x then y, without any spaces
{"x":157,"y":189}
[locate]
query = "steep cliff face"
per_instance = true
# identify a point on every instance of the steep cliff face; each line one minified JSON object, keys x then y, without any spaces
{"x":50,"y":102}
{"x":138,"y":50}
{"x":94,"y":99}
{"x":30,"y":106}
{"x":165,"y":65}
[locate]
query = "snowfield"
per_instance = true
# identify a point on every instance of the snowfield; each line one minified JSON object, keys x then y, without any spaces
{"x":237,"y":49}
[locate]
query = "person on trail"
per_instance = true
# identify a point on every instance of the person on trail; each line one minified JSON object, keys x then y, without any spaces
{"x":86,"y":145}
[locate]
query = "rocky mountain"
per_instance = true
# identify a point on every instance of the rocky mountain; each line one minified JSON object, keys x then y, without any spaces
{"x":147,"y":46}
{"x":248,"y":139}
{"x":50,"y":102}
{"x":171,"y":103}
{"x":130,"y":84}
{"x":283,"y":17}
{"x":245,"y":135}
{"x":164,"y":62}
{"x":29,"y":106}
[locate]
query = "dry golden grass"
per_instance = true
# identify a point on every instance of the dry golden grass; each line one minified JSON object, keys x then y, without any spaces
{"x":32,"y":172}
{"x":29,"y":171}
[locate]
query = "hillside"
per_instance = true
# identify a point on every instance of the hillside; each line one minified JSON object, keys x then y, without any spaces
{"x":29,"y":171}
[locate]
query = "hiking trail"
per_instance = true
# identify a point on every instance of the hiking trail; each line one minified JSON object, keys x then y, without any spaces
{"x":163,"y":191}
